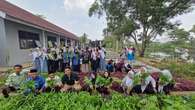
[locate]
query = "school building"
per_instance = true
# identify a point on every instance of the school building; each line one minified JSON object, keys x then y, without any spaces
{"x":20,"y":31}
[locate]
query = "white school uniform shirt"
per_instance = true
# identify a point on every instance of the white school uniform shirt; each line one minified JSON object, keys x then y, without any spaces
{"x":127,"y":82}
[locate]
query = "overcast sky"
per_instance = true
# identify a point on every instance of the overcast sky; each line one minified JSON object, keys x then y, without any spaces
{"x":72,"y":15}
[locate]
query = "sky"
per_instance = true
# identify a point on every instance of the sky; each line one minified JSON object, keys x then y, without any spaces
{"x":72,"y":15}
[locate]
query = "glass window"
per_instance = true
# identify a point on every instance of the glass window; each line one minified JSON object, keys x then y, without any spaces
{"x":51,"y":41}
{"x":27,"y":40}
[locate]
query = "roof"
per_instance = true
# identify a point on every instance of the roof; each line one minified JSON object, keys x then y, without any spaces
{"x":21,"y":14}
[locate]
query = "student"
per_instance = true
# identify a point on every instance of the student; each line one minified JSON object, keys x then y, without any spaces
{"x":76,"y":61}
{"x":53,"y":83}
{"x":167,"y":86}
{"x":36,"y":57}
{"x":110,"y":66}
{"x":66,"y":57}
{"x":89,"y":85}
{"x":55,"y":55}
{"x":60,"y":60}
{"x":148,"y":83}
{"x":94,"y":60}
{"x":107,"y":76}
{"x":14,"y":81}
{"x":51,"y":62}
{"x":128,"y":67}
{"x":102,"y":63}
{"x":127,"y":83}
{"x":85,"y":60}
{"x":43,"y":61}
{"x":119,"y":65}
{"x":39,"y":82}
{"x":70,"y":81}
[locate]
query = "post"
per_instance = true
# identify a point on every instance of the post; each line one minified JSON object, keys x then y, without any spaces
{"x":4,"y":53}
{"x":44,"y":39}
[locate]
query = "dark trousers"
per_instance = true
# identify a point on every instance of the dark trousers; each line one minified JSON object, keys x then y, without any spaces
{"x":60,"y":63}
{"x":6,"y":90}
{"x":67,"y":64}
{"x":94,"y":65}
{"x":54,"y":89}
{"x":51,"y":65}
{"x":167,"y":89}
{"x":76,"y":68}
{"x":137,"y":89}
{"x":56,"y":65}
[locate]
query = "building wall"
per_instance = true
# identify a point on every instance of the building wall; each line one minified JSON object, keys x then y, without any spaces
{"x":3,"y":49}
{"x":10,"y":52}
{"x":17,"y":55}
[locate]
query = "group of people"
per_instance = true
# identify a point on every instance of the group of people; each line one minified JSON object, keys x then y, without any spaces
{"x":81,"y":60}
{"x":145,"y":81}
{"x":52,"y":83}
{"x":74,"y":61}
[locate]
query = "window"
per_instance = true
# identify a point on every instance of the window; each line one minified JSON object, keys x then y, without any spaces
{"x":51,"y":41}
{"x":62,"y":42}
{"x":68,"y":42}
{"x":28,"y":40}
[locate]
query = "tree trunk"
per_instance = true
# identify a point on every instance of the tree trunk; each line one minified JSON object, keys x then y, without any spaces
{"x":142,"y":53}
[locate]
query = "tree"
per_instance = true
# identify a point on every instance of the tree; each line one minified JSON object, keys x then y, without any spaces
{"x":140,"y":20}
{"x":40,"y":16}
{"x":179,"y":36}
{"x":193,"y":37}
{"x":83,"y":39}
{"x":193,"y":29}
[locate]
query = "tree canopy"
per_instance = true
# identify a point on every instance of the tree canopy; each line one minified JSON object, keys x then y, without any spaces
{"x":140,"y":20}
{"x":179,"y":35}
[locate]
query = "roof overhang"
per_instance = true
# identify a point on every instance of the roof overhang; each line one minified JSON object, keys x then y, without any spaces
{"x":2,"y":14}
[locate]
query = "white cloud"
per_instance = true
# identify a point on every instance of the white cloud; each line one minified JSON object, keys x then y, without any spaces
{"x":78,"y":4}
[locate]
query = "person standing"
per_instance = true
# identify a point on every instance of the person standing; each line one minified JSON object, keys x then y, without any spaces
{"x":123,"y":54}
{"x":76,"y":61}
{"x":85,"y":60}
{"x":130,"y":56}
{"x":50,"y":60}
{"x":43,"y":61}
{"x":36,"y":59}
{"x":94,"y":60}
{"x":102,"y":63}
{"x":60,"y":60}
{"x":66,"y":57}
{"x":55,"y":52}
